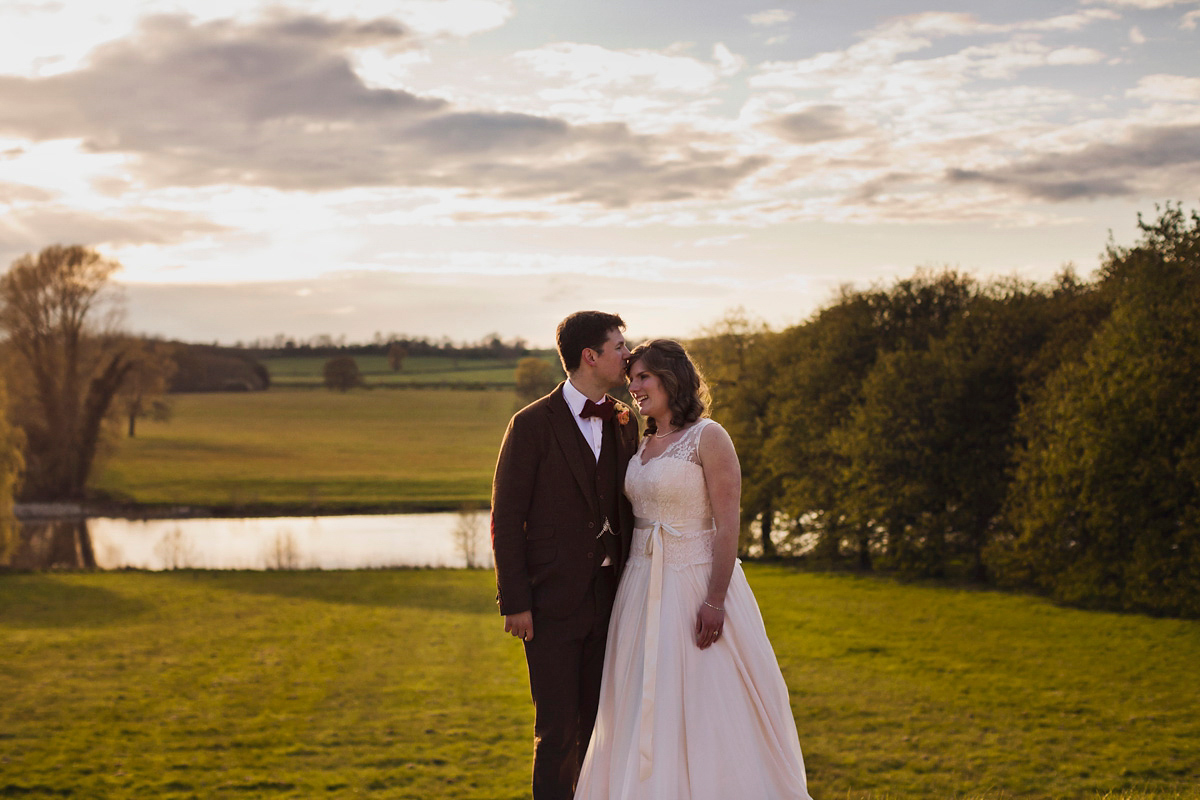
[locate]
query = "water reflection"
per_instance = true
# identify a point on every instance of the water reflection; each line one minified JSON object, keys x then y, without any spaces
{"x":53,"y":544}
{"x":350,"y":542}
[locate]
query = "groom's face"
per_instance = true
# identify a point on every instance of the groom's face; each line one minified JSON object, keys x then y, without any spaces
{"x":610,"y":360}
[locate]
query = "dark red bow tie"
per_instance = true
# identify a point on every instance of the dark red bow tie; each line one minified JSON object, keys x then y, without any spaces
{"x":602,"y":410}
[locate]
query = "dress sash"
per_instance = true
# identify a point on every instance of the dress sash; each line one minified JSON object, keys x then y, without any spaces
{"x":654,"y":549}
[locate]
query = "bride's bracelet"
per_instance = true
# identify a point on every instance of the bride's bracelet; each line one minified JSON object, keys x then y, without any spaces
{"x":714,"y":608}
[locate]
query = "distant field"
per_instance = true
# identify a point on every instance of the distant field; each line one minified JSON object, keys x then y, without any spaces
{"x":421,"y":370}
{"x":315,"y":449}
{"x":401,"y":684}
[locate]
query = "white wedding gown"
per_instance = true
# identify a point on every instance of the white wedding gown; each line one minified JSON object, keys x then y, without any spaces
{"x":676,"y":721}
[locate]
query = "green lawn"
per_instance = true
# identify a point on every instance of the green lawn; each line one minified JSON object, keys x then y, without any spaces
{"x":401,"y":684}
{"x":304,"y":449}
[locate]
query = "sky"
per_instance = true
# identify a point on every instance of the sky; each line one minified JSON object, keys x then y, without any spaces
{"x":459,"y":168}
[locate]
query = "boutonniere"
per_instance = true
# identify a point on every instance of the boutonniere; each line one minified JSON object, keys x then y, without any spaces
{"x":622,"y":412}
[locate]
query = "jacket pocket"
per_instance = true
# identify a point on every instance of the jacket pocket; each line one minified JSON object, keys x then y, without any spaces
{"x":542,"y":554}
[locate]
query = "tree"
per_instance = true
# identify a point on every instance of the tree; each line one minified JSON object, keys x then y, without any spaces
{"x":144,"y":392}
{"x":469,"y":534}
{"x":396,"y":354}
{"x":1105,"y":503}
{"x":535,"y":377}
{"x":735,"y":356}
{"x":928,"y":451}
{"x":11,"y":464}
{"x":341,"y":373}
{"x":57,"y":311}
{"x":817,"y":383}
{"x":211,"y":368}
{"x":819,"y":367}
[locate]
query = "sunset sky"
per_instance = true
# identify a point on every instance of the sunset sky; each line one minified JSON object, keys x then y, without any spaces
{"x":461,"y":167}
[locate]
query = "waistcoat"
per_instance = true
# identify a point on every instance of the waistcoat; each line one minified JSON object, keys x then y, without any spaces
{"x":603,"y":474}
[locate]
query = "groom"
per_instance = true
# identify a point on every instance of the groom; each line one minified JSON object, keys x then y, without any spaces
{"x":561,"y":529}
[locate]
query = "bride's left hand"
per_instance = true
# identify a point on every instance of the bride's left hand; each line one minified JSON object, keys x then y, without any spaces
{"x":709,"y":623}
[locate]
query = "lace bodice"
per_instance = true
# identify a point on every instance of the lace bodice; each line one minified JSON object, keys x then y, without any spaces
{"x":670,"y":489}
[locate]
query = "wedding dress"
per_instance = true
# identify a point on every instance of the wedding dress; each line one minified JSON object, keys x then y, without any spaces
{"x":675,"y":721}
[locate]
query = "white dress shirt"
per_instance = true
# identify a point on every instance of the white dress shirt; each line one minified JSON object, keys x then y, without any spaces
{"x":592,"y":428}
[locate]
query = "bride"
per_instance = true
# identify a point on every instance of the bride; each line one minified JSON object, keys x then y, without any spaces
{"x":692,"y":703}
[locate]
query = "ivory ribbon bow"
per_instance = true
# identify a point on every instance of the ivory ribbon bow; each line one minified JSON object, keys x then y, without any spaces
{"x":654,"y":549}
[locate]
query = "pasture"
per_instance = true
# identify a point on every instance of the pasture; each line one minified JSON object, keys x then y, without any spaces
{"x":314,"y":450}
{"x":401,"y":684}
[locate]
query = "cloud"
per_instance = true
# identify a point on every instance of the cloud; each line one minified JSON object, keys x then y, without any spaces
{"x":473,"y":132}
{"x":1044,"y":187}
{"x":278,"y":103}
{"x":28,"y":229}
{"x":1169,"y":153}
{"x":46,"y":38}
{"x":881,"y":63}
{"x":870,"y":192}
{"x":728,"y":62}
{"x":1190,"y":20}
{"x":1073,"y":56}
{"x":939,"y":113}
{"x":437,"y":17}
{"x":622,"y":177}
{"x":591,"y":67}
{"x":1139,"y":4}
{"x":1068,"y":22}
{"x":770,"y":17}
{"x":178,"y":85}
{"x":818,"y":123}
{"x":13,"y":193}
{"x":1168,"y":88}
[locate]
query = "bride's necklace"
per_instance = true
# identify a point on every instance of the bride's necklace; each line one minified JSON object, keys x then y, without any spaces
{"x":665,"y":435}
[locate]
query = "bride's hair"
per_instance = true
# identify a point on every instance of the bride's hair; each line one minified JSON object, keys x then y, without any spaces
{"x":687,"y":393}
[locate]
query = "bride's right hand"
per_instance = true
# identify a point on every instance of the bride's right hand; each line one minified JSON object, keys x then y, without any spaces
{"x":709,"y":622}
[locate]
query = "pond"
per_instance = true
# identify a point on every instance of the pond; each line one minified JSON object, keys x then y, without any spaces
{"x":335,"y":542}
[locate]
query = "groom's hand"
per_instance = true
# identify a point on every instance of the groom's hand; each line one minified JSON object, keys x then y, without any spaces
{"x":520,"y":625}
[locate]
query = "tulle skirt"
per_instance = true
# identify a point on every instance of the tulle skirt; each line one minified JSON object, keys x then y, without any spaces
{"x":721,"y":726}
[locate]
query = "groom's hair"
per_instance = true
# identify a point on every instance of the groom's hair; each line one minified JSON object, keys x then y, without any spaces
{"x":582,"y":330}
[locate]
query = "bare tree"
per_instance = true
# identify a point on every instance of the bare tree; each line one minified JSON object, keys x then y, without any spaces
{"x":468,"y":534}
{"x":58,"y":313}
{"x":175,"y":550}
{"x":144,"y":391}
{"x":11,"y":464}
{"x":282,"y":553}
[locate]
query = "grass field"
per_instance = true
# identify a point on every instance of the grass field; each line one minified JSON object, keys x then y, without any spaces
{"x":315,"y":449}
{"x":400,"y":684}
{"x":303,"y":371}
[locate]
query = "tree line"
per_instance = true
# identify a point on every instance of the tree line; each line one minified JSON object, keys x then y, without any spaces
{"x":1044,"y":436}
{"x":490,"y":347}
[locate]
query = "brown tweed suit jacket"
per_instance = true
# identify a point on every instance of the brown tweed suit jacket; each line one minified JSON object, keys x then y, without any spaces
{"x":546,"y":512}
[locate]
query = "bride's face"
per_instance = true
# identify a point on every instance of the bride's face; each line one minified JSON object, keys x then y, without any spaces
{"x":647,"y":391}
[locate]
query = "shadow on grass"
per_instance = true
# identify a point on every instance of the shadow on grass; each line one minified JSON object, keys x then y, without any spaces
{"x":45,"y":601}
{"x":455,"y":590}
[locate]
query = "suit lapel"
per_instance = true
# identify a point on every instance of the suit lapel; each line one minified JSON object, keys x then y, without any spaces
{"x":566,"y":432}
